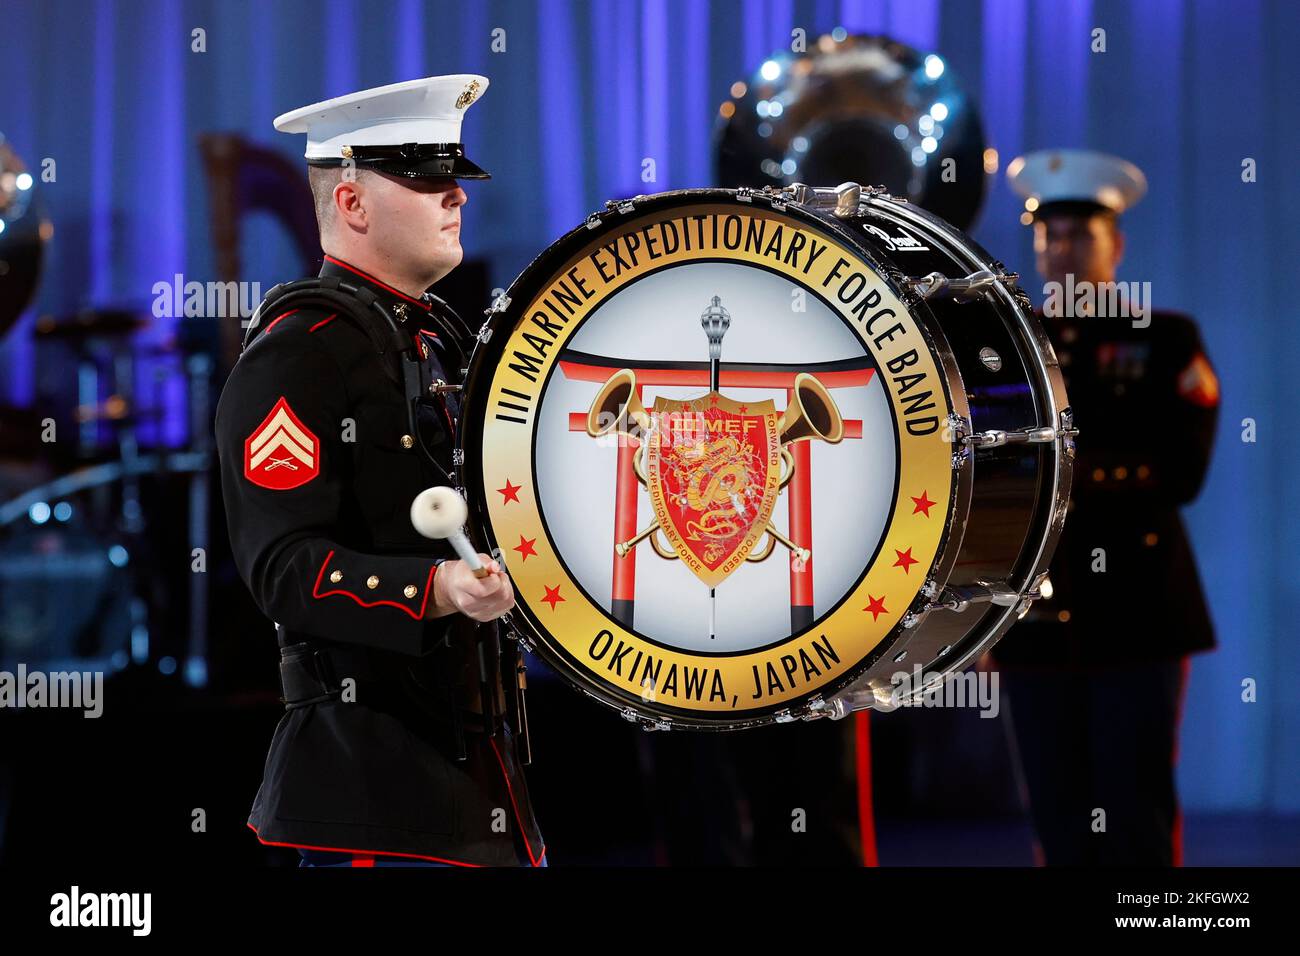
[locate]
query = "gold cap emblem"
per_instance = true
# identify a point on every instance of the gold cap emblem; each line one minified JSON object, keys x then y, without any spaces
{"x":346,"y":152}
{"x":468,"y":96}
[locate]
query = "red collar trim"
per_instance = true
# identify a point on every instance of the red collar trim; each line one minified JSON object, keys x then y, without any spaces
{"x":383,"y":285}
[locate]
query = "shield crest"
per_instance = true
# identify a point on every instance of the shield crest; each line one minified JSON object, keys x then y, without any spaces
{"x":714,"y":471}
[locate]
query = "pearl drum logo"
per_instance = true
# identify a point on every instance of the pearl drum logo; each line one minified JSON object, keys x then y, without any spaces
{"x":710,"y":451}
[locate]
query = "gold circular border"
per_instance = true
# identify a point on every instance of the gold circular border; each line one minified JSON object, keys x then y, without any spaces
{"x":576,"y":626}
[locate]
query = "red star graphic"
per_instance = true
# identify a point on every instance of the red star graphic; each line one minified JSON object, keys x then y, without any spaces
{"x":876,"y":607}
{"x":743,"y":409}
{"x":905,"y":559}
{"x":552,"y":596}
{"x":923,"y":504}
{"x":713,"y":398}
{"x":525,"y":547}
{"x":511,"y":492}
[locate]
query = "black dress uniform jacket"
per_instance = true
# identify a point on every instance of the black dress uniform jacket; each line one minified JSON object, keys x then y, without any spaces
{"x":1146,"y":404}
{"x":318,"y":474}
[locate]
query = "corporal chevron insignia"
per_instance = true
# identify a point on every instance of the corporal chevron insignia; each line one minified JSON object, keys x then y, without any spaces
{"x":282,"y":452}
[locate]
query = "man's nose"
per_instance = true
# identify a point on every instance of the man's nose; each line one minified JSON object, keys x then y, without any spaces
{"x":457,"y":196}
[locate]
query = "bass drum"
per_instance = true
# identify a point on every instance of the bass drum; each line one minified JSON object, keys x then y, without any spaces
{"x":759,"y":456}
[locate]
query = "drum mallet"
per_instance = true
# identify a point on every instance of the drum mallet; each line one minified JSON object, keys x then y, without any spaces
{"x":440,"y":513}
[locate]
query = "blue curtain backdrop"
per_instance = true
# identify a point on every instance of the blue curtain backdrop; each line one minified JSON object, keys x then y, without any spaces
{"x":585,"y":90}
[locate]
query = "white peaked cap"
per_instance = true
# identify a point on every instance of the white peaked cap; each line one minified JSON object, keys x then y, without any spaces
{"x":425,"y":113}
{"x":1077,"y":176}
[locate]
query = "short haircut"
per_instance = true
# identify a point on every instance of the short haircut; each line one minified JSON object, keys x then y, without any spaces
{"x":322,"y":180}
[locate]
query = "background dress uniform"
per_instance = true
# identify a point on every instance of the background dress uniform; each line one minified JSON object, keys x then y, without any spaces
{"x":318,"y":474}
{"x":1096,"y":672}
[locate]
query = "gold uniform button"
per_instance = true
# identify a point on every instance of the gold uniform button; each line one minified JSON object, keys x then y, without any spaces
{"x":1143,"y":472}
{"x":408,"y":442}
{"x":372,"y":582}
{"x":1063,"y":616}
{"x":1150,"y":539}
{"x":1120,"y":473}
{"x":336,"y":576}
{"x":1099,"y":474}
{"x":410,"y":590}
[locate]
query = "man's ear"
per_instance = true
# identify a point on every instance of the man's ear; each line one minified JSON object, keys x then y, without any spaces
{"x":349,"y":202}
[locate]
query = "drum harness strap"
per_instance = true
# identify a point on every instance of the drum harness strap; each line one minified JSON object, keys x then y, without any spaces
{"x":308,"y":677}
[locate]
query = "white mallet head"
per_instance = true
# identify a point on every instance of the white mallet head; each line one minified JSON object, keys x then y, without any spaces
{"x":440,"y":513}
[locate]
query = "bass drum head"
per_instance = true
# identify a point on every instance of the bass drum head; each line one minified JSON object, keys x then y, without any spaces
{"x":698,"y":556}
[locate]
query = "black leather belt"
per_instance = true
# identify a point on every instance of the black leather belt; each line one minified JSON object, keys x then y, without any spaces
{"x":311,"y":674}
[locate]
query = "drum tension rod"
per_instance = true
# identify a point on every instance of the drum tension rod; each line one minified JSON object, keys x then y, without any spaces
{"x":843,"y":201}
{"x":959,"y":599}
{"x":966,"y":289}
{"x":996,"y":438}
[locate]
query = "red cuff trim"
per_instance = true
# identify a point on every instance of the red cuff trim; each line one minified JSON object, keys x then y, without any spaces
{"x":320,"y":575}
{"x":431,"y":334}
{"x":323,"y":322}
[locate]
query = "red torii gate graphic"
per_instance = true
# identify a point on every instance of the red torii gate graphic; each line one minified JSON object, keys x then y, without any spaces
{"x":850,"y":373}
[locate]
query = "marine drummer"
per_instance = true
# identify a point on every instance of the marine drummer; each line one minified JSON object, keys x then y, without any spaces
{"x":397,"y":746}
{"x":1096,"y":673}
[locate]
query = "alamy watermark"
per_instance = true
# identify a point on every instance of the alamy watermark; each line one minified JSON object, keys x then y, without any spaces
{"x":210,"y":300}
{"x":973,"y":688}
{"x":81,"y":690}
{"x":1111,"y":299}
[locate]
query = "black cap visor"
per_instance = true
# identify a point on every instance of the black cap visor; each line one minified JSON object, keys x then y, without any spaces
{"x":413,"y":160}
{"x":1080,"y":208}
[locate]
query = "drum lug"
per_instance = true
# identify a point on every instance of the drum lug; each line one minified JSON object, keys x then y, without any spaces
{"x":966,"y":289}
{"x":959,"y":429}
{"x":499,"y":304}
{"x":645,"y":723}
{"x":1068,"y":431}
{"x":814,"y":709}
{"x":776,"y":198}
{"x":745,"y":194}
{"x":624,"y":206}
{"x":515,"y":634}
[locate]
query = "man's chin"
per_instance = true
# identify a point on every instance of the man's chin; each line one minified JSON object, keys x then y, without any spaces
{"x":444,"y":260}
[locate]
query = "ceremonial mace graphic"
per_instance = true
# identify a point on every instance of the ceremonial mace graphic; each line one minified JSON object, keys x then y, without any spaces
{"x":716,"y":320}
